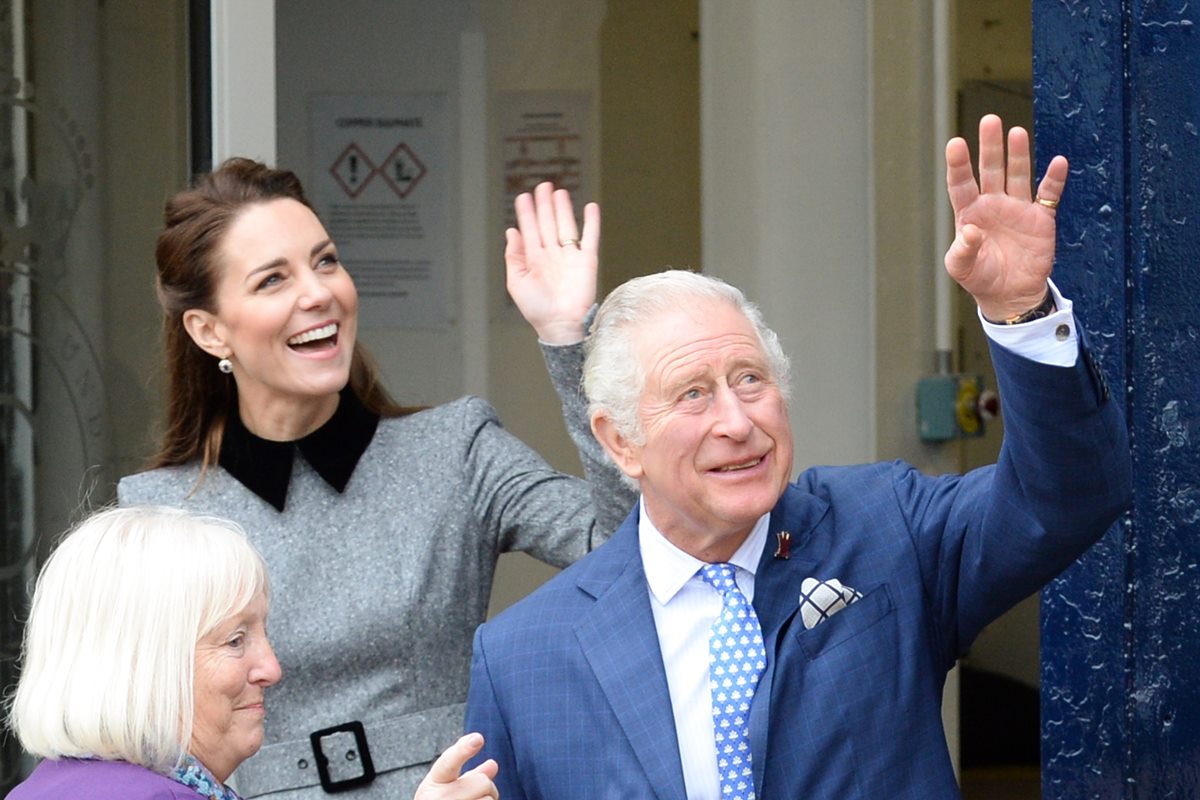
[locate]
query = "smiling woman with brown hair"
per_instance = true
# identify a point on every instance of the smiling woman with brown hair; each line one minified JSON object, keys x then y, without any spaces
{"x":381,"y":525}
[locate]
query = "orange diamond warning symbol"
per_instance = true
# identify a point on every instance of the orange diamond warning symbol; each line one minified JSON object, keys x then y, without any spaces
{"x":402,"y":170}
{"x":353,"y":170}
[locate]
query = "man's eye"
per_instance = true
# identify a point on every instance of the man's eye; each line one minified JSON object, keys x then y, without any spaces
{"x":692,"y":394}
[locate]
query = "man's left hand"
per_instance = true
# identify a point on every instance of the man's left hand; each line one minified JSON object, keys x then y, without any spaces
{"x":1003,"y":247}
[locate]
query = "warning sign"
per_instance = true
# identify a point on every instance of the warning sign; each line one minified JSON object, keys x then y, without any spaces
{"x":353,"y":170}
{"x":403,"y":170}
{"x":381,"y":187}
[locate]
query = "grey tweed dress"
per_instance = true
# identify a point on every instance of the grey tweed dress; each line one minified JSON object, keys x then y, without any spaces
{"x":377,"y":591}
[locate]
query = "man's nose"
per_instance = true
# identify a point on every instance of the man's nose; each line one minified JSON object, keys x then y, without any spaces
{"x":732,"y":419}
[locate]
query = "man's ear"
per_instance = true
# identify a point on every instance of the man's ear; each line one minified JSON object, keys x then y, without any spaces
{"x":624,"y":453}
{"x":206,"y":332}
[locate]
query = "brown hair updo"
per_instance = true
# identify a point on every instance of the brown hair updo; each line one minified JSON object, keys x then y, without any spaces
{"x":199,"y":396}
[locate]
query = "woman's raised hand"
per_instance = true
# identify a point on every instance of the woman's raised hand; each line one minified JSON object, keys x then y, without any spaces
{"x":551,"y":266}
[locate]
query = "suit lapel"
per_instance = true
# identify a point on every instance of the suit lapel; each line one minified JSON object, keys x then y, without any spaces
{"x":776,"y":599}
{"x":620,"y":642}
{"x":777,"y":581}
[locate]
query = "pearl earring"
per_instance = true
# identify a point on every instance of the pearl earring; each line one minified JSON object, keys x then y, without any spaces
{"x":225,"y":365}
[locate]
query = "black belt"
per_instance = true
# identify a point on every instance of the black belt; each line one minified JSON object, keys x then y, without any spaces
{"x":351,"y":754}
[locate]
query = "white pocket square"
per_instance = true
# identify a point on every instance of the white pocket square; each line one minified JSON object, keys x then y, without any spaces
{"x":820,"y":600}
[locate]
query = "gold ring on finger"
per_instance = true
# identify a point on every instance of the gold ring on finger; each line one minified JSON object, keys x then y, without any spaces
{"x":569,"y":242}
{"x":1042,"y":201}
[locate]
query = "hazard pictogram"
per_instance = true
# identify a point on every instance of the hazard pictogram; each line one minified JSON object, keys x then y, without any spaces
{"x":353,"y":170}
{"x":402,"y":170}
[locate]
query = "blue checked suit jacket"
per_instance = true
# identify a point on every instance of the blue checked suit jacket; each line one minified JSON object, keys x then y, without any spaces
{"x":568,"y":686}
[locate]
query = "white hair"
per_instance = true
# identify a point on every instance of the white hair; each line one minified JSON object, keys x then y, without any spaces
{"x":613,"y":378}
{"x":110,"y":646}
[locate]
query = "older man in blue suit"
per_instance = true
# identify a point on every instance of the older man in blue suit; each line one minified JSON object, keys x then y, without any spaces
{"x":747,"y":636}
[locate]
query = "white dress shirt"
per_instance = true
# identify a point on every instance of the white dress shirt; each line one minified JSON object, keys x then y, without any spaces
{"x":684,"y":609}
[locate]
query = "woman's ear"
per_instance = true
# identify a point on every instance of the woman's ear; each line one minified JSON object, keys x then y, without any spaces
{"x":206,"y":331}
{"x":624,"y":453}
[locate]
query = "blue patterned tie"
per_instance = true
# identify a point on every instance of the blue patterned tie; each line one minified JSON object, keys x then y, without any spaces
{"x":736,"y":659}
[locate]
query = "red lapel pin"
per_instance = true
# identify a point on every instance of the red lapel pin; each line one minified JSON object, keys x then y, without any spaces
{"x":783,"y":549}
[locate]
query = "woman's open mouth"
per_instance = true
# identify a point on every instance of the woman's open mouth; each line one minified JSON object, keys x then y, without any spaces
{"x":321,"y":338}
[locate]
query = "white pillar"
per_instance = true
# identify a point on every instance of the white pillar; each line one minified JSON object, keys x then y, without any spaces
{"x":243,"y":79}
{"x":786,"y":166}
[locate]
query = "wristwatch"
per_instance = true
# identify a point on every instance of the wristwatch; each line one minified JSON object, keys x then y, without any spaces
{"x":1043,"y":309}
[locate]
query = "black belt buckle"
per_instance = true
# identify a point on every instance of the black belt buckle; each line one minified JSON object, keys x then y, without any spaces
{"x":364,"y":757}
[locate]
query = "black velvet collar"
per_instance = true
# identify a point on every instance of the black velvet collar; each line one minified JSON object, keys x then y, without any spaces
{"x":265,"y":467}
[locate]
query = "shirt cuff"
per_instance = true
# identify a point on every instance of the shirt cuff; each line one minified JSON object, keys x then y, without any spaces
{"x":1050,"y":340}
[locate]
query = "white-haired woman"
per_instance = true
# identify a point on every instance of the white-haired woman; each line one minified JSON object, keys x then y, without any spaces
{"x":146,"y":664}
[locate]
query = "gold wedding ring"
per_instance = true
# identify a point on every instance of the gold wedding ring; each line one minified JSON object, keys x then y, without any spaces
{"x":1050,"y":204}
{"x":569,"y":242}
